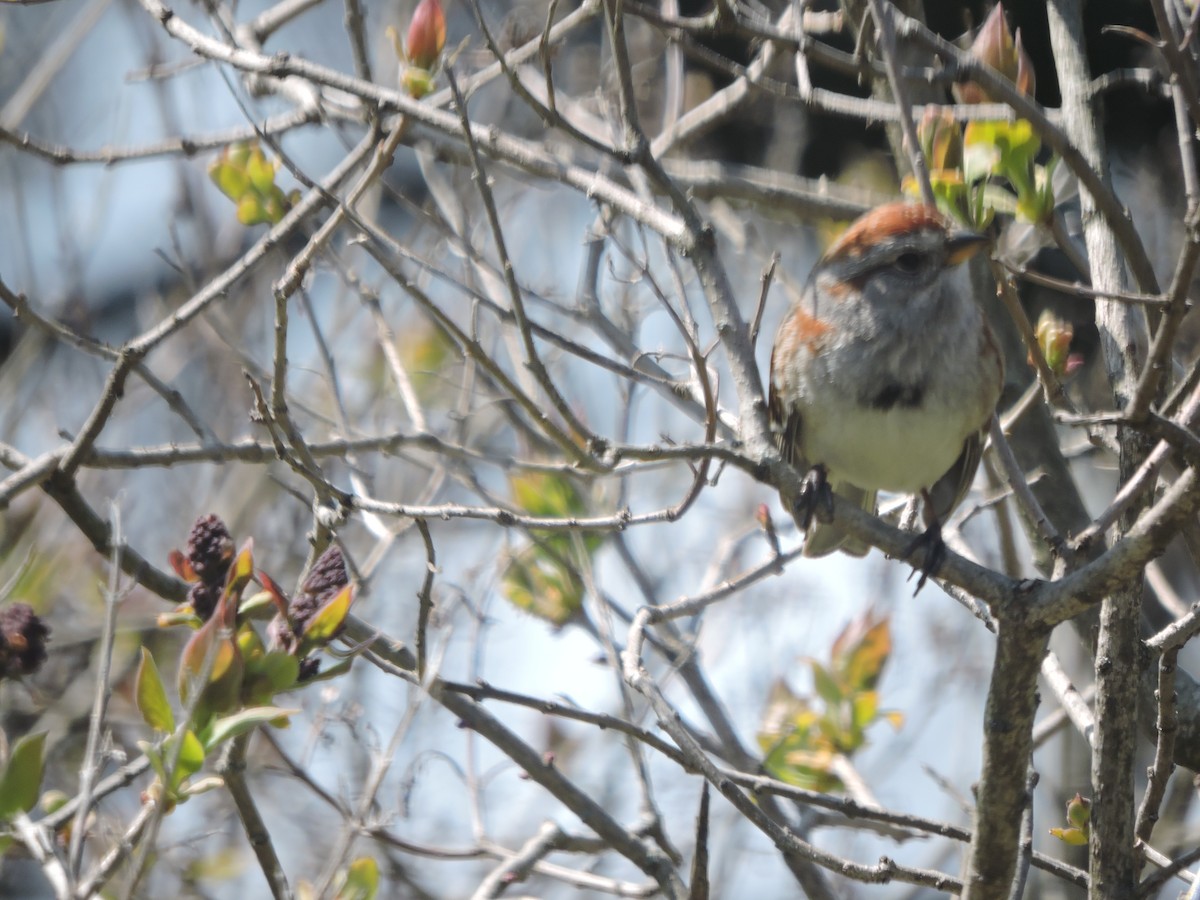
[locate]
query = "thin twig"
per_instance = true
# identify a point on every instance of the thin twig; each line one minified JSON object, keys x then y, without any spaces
{"x":91,"y":757}
{"x":1164,"y":749}
{"x":232,"y":769}
{"x":882,"y":14}
{"x":425,"y":597}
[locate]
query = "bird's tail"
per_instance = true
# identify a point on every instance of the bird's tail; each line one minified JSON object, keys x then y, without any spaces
{"x":825,"y":537}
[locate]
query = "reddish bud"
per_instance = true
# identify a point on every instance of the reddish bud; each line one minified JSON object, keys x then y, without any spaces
{"x":941,"y":140}
{"x":996,"y":46}
{"x":763,"y":516}
{"x":1025,"y":80}
{"x":426,"y":35}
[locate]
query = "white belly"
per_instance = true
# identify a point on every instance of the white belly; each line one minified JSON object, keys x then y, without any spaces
{"x":903,"y":449}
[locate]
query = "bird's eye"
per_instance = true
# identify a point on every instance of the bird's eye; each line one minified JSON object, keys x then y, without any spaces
{"x":909,"y":263}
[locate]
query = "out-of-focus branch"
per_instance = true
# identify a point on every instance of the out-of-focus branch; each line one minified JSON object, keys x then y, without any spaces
{"x":539,"y":769}
{"x":1123,"y":334}
{"x":1007,"y":751}
{"x":232,"y":768}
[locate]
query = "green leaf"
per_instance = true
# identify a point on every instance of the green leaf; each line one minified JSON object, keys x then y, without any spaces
{"x":862,"y":661}
{"x":362,"y":880}
{"x":819,"y":760}
{"x":1003,"y":149}
{"x":1036,"y":204}
{"x":866,"y":705}
{"x":250,"y":210}
{"x":981,"y":156}
{"x":230,"y":179}
{"x":547,"y":494}
{"x":260,"y":605}
{"x":242,"y":569}
{"x":268,"y":675}
{"x":537,"y":583}
{"x":949,"y":190}
{"x":237,"y":154}
{"x":151,"y":697}
{"x":1019,"y":145}
{"x":191,"y":759}
{"x":826,"y":685}
{"x":276,"y":204}
{"x":5,"y":842}
{"x":329,"y":619}
{"x":195,"y":652}
{"x":22,"y":781}
{"x":803,"y":768}
{"x":1079,"y":811}
{"x":181,"y":615}
{"x":201,"y":786}
{"x":260,"y":171}
{"x":833,"y":732}
{"x":244,"y":721}
{"x":1072,"y":836}
{"x":221,"y":692}
{"x":280,"y":669}
{"x":249,"y":644}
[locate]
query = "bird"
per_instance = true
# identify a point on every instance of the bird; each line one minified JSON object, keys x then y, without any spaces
{"x":885,"y":374}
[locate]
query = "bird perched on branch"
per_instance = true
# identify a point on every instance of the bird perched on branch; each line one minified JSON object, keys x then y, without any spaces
{"x":884,"y":375}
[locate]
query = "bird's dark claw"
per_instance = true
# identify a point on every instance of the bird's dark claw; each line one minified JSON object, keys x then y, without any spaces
{"x":930,"y":541}
{"x":815,"y":498}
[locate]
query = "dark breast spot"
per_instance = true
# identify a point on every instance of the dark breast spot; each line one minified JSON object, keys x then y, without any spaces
{"x":893,"y":393}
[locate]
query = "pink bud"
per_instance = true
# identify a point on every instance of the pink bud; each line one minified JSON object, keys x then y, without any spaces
{"x":763,"y":515}
{"x":1026,"y":83}
{"x":426,"y":35}
{"x":996,"y":46}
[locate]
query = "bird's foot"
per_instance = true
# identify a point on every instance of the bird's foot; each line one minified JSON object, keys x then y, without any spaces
{"x":815,"y":498}
{"x":934,"y":549}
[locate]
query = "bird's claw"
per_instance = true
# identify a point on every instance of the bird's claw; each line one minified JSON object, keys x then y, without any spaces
{"x":815,"y":498}
{"x":930,"y":540}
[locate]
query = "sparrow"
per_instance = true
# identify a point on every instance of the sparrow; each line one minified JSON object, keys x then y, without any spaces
{"x":885,"y":374}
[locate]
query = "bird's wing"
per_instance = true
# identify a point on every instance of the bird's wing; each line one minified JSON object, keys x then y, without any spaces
{"x":823,"y":538}
{"x":948,"y":491}
{"x":785,"y":426}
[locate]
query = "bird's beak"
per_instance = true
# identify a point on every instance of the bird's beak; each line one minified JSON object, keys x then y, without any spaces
{"x":962,"y":245}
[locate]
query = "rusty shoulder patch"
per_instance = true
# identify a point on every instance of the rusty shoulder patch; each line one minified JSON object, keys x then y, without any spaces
{"x":800,"y":329}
